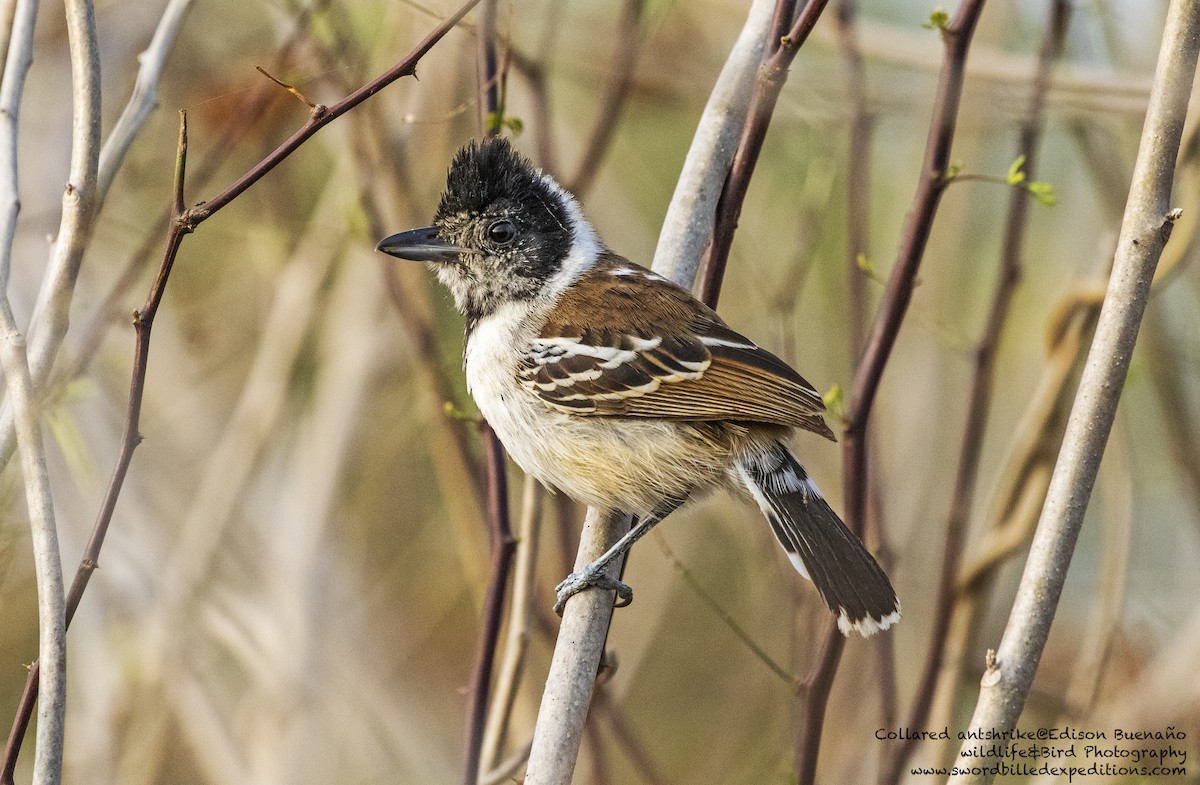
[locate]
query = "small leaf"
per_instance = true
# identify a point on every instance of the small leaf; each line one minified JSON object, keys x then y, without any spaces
{"x":938,"y":20}
{"x":1043,"y":192}
{"x":835,"y":402}
{"x":865,"y":265}
{"x":497,"y":123}
{"x":953,"y":170}
{"x":514,"y":124}
{"x":1015,"y":175}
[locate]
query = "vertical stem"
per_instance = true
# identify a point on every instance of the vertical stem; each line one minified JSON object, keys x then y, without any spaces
{"x":980,"y":397}
{"x":882,"y":338}
{"x":858,"y":175}
{"x":503,"y":547}
{"x":780,"y":52}
{"x":489,"y":103}
{"x":576,"y":660}
{"x":1144,"y":231}
{"x":584,"y":627}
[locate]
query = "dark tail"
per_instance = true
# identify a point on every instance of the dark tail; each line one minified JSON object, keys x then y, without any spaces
{"x":819,"y":545}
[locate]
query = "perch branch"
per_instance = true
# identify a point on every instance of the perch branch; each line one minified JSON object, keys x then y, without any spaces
{"x":559,"y":728}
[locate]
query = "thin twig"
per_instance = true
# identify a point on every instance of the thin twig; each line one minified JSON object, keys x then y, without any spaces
{"x":489,"y":85}
{"x":688,"y":225}
{"x":181,"y":224}
{"x":1144,"y":232}
{"x":516,"y":643}
{"x":620,"y":77}
{"x":292,"y":89}
{"x":957,"y":39}
{"x":321,"y":116}
{"x":979,"y":398}
{"x":503,"y":547}
{"x":858,"y":174}
{"x":51,"y":312}
{"x":47,"y":767}
{"x":858,"y":201}
{"x":780,"y":52}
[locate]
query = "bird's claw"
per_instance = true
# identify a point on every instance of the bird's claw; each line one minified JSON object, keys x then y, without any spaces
{"x":590,"y":576}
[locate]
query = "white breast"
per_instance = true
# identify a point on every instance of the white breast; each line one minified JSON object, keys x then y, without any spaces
{"x":517,"y":416}
{"x":630,"y":464}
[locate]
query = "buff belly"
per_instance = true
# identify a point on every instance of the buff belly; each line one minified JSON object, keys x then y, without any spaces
{"x":627,"y":463}
{"x":612,"y":462}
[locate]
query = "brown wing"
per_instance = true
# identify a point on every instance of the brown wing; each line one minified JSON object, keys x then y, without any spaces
{"x":630,"y":343}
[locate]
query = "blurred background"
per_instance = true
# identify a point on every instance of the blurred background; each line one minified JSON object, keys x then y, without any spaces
{"x":292,"y":586}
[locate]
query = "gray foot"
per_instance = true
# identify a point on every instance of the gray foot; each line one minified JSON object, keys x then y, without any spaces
{"x":590,"y":576}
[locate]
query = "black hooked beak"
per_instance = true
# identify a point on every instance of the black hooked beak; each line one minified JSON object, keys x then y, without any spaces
{"x":420,"y":245}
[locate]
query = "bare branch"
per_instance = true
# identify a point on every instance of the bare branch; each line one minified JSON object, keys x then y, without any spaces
{"x":503,"y":548}
{"x":882,"y":337}
{"x":979,"y":400}
{"x":52,"y":641}
{"x":51,"y":313}
{"x":1144,"y":232}
{"x":576,"y":660}
{"x":688,"y":225}
{"x":781,"y":51}
{"x":180,"y":225}
{"x":47,"y":767}
{"x":584,"y":629}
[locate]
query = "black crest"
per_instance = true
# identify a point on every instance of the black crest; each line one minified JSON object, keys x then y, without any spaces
{"x":490,"y":176}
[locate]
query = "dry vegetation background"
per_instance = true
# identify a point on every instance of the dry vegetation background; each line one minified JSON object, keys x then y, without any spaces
{"x":291,"y":589}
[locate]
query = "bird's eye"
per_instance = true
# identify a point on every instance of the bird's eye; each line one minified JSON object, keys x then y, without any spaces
{"x":502,"y":232}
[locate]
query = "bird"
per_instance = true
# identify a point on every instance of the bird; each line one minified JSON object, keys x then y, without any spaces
{"x":614,"y":385}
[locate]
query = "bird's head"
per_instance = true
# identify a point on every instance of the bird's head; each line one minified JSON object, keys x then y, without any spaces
{"x":504,"y":232}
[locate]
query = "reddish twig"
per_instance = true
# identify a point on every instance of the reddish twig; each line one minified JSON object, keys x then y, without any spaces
{"x":615,"y":95}
{"x":858,"y":191}
{"x":957,"y":39}
{"x":980,"y":397}
{"x":489,"y":87}
{"x":183,"y":222}
{"x":780,"y":52}
{"x":534,"y":72}
{"x":320,"y":116}
{"x":504,"y":545}
{"x":858,"y":174}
